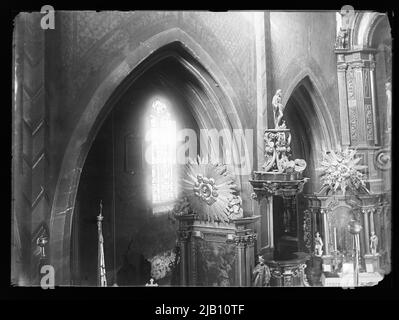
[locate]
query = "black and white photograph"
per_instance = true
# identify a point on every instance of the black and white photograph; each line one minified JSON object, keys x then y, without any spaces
{"x":194,"y":148}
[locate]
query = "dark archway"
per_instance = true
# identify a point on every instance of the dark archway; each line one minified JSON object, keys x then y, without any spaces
{"x":116,"y":173}
{"x":310,"y":135}
{"x":310,"y":131}
{"x":215,"y":109}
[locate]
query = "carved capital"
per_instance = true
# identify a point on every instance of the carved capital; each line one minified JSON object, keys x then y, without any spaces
{"x":270,"y":188}
{"x":324,"y":211}
{"x":358,"y":65}
{"x":254,"y":196}
{"x":184,"y":235}
{"x":342,"y":67}
{"x":371,"y":210}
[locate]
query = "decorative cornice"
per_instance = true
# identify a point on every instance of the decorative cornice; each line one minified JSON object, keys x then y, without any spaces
{"x":243,"y":240}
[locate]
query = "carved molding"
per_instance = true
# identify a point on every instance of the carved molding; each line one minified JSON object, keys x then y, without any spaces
{"x":382,"y":159}
{"x":244,"y":240}
{"x":307,"y":229}
{"x":369,"y":122}
{"x":184,"y":235}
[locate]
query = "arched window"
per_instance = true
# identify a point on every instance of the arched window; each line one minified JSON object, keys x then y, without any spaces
{"x":162,"y":157}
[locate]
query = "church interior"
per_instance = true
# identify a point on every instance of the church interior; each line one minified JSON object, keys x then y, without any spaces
{"x":184,"y":148}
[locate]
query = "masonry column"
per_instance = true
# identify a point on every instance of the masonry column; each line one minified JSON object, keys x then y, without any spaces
{"x":366,"y":229}
{"x":343,"y":99}
{"x":326,"y":232}
{"x":362,"y":110}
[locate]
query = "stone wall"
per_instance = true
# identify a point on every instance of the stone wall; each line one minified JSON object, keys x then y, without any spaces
{"x":88,"y":55}
{"x":302,"y":44}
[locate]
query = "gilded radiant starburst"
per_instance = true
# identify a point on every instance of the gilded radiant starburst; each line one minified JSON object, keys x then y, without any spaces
{"x":342,"y":171}
{"x":209,"y":188}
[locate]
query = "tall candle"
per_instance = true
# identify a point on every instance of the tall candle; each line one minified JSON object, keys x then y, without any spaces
{"x":335,"y":239}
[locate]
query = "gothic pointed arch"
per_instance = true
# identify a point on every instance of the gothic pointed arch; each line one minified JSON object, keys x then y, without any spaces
{"x":217,"y":108}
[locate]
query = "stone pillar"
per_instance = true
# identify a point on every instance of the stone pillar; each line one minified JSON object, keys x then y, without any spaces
{"x":192,"y":281}
{"x":372,"y":226}
{"x":269,"y":213}
{"x":360,"y":81}
{"x":245,"y":260}
{"x":314,"y":226}
{"x":343,"y":100}
{"x":374,"y":100}
{"x":184,"y":259}
{"x":240,"y":271}
{"x":266,"y":246}
{"x":326,"y":232}
{"x":361,"y":102}
{"x":249,"y":258}
{"x":366,"y":230}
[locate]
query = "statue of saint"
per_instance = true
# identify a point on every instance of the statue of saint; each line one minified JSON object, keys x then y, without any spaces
{"x":278,"y":110}
{"x":261,"y":274}
{"x":318,"y":245}
{"x":373,"y":243}
{"x":342,"y":39}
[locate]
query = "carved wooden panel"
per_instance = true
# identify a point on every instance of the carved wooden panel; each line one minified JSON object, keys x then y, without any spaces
{"x":215,"y":263}
{"x":369,"y":122}
{"x":353,"y":116}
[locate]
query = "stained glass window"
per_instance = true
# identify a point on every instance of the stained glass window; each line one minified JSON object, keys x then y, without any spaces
{"x":163,"y":156}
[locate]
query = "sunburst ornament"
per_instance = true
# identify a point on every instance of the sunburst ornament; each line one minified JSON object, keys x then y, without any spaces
{"x":209,"y":188}
{"x":342,"y":171}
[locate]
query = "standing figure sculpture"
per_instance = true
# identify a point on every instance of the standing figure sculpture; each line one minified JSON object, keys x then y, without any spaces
{"x":373,"y":243}
{"x":278,"y":109}
{"x":261,"y":274}
{"x":318,"y":245}
{"x":341,"y":42}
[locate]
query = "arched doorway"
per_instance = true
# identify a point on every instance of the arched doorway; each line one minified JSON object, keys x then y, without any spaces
{"x":211,"y":107}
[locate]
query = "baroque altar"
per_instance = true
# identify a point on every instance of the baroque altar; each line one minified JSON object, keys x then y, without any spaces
{"x":344,"y":201}
{"x":216,"y":239}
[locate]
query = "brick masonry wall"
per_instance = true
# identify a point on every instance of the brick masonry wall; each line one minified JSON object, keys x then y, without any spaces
{"x":86,"y":46}
{"x":304,"y":41}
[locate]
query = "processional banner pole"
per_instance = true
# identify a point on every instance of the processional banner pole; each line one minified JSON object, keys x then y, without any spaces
{"x":101,"y":276}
